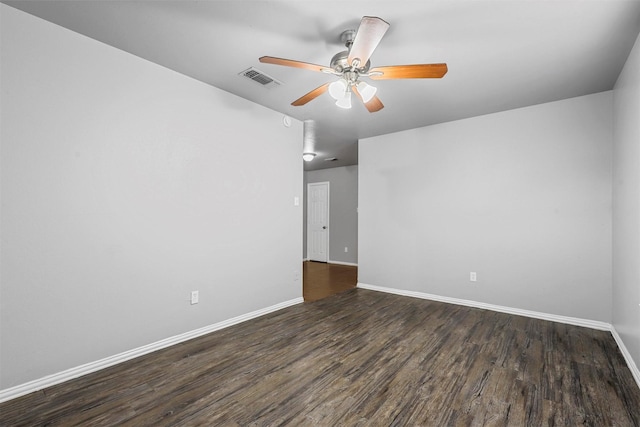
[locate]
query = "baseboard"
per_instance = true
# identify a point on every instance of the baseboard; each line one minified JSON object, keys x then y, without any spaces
{"x":627,"y":356}
{"x":353,"y":264}
{"x":593,"y":324}
{"x":69,"y":374}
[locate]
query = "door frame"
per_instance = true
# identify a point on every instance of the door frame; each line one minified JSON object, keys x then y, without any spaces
{"x":309,"y":184}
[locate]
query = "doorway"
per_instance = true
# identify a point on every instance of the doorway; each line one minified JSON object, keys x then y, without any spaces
{"x":331,"y":255}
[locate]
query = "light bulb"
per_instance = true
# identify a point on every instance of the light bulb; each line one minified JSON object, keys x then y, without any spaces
{"x":307,"y":157}
{"x":337,"y":89}
{"x":345,"y":101}
{"x":366,"y":91}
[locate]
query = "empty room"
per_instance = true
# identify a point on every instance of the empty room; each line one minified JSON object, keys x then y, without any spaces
{"x":464,"y":174}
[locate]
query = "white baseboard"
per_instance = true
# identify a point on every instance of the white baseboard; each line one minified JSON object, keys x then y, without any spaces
{"x":593,"y":324}
{"x":343,"y":263}
{"x":69,"y":374}
{"x":627,"y":356}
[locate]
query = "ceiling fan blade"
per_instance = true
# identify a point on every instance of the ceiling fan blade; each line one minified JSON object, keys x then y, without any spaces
{"x":291,"y":63}
{"x":369,"y":34}
{"x":311,"y":95}
{"x":417,"y":71}
{"x":374,"y":103}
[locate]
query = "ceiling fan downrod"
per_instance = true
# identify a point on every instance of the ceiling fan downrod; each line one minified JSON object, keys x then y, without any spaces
{"x":347,"y":38}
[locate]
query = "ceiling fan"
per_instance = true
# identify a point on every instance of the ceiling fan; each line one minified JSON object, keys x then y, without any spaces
{"x":353,"y":63}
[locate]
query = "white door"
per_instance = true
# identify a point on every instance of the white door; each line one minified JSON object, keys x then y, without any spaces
{"x":318,"y":221}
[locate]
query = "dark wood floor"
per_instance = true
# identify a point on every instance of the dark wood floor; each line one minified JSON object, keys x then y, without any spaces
{"x":321,"y":280}
{"x":358,"y":358}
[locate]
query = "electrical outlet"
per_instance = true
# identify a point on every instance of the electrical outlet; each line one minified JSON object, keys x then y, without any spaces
{"x":473,"y":277}
{"x":346,"y":249}
{"x":195,"y":297}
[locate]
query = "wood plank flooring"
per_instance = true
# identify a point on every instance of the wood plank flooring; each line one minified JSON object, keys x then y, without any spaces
{"x":321,"y":280}
{"x":359,"y":358}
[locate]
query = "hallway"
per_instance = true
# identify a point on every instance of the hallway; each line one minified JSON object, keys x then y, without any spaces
{"x":321,"y":280}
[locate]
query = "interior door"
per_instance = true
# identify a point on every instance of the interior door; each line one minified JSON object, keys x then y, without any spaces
{"x":318,"y":221}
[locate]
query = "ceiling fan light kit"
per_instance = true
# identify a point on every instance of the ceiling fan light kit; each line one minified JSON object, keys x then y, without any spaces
{"x":341,"y":92}
{"x":352,"y":64}
{"x":345,"y":101}
{"x":338,"y":89}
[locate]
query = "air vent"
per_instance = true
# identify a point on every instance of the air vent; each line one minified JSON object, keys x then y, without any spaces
{"x":260,"y":77}
{"x":331,"y":159}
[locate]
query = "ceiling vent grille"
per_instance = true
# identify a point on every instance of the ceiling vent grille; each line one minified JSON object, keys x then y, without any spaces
{"x":260,"y":78}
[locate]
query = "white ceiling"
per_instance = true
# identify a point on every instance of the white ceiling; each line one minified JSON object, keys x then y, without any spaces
{"x":501,"y":54}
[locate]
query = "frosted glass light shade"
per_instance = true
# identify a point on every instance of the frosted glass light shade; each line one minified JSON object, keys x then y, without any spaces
{"x":345,"y":101}
{"x":307,"y":157}
{"x":337,"y":89}
{"x":366,"y":91}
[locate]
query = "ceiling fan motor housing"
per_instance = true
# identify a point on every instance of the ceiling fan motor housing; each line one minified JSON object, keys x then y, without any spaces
{"x":340,"y":63}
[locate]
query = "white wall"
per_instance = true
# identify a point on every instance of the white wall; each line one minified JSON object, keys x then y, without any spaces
{"x":124,"y":186}
{"x":521,"y":197}
{"x":343,"y":215}
{"x":626,"y":205}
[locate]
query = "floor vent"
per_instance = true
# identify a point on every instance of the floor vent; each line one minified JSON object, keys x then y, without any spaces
{"x":260,"y":77}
